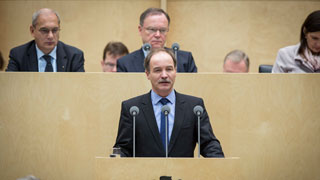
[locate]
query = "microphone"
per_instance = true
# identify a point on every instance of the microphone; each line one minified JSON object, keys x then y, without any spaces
{"x":146,"y":47}
{"x":198,"y":110}
{"x":166,"y":110}
{"x":134,"y":111}
{"x":175,"y":47}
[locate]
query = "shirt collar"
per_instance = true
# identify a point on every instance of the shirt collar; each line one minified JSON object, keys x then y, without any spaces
{"x":156,"y":98}
{"x":145,"y":53}
{"x":53,"y":53}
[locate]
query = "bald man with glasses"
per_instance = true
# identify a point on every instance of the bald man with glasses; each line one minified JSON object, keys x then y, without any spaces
{"x":153,"y":29}
{"x":46,"y":53}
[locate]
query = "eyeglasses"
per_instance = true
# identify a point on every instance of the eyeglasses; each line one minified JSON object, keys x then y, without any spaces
{"x":46,"y":31}
{"x":151,"y":30}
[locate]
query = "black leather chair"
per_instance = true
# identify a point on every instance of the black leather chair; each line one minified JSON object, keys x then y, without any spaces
{"x":264,"y":68}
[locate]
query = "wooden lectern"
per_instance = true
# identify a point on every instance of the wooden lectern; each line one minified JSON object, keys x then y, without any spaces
{"x":176,"y":168}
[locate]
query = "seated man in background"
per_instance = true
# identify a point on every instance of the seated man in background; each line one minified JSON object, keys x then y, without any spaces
{"x":111,"y":53}
{"x":236,"y":61}
{"x":153,"y":29}
{"x":46,"y":53}
{"x":150,"y":136}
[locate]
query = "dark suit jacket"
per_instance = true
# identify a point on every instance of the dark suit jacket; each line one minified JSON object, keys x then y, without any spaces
{"x":133,"y":62}
{"x":184,"y":134}
{"x":24,"y":58}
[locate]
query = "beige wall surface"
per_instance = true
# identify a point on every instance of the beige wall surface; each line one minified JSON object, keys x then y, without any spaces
{"x":210,"y":29}
{"x":52,"y":125}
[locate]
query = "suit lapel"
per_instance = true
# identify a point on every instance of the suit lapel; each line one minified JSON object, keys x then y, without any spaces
{"x":178,"y":120}
{"x":33,"y":59}
{"x":61,"y":58}
{"x":148,"y":113}
{"x":138,"y":61}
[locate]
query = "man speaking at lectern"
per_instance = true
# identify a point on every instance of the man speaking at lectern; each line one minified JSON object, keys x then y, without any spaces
{"x":160,"y":65}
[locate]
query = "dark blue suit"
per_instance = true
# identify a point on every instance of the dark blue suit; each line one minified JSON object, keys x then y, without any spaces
{"x":24,"y":58}
{"x":184,"y":133}
{"x":133,"y":62}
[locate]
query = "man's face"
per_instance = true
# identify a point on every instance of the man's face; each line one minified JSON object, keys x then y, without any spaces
{"x":235,"y":67}
{"x":313,"y":41}
{"x":109,"y":64}
{"x":162,"y":73}
{"x":154,"y":30}
{"x":46,"y":32}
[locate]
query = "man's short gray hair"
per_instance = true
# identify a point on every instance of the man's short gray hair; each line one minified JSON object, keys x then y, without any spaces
{"x":237,"y":56}
{"x":40,"y":11}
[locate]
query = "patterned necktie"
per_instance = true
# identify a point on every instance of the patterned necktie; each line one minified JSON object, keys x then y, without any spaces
{"x":164,"y":101}
{"x":49,"y":65}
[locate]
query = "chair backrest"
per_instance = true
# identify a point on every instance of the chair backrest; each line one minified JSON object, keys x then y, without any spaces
{"x":264,"y":68}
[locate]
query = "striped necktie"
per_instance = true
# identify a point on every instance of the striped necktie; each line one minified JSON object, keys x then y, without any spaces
{"x":49,"y":67}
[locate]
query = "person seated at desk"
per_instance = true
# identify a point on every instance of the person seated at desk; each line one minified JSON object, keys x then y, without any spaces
{"x":236,"y":61}
{"x":303,"y":57}
{"x":150,"y":137}
{"x":46,"y":53}
{"x":153,"y":29}
{"x":111,"y":53}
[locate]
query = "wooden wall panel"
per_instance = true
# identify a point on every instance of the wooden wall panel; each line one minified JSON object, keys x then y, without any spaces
{"x":88,"y":25}
{"x":209,"y":29}
{"x":52,"y":125}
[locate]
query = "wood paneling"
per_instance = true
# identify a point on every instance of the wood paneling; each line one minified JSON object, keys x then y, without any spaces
{"x":209,"y":29}
{"x":53,"y":125}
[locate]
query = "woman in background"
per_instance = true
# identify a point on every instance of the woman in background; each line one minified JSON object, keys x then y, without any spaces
{"x":305,"y":56}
